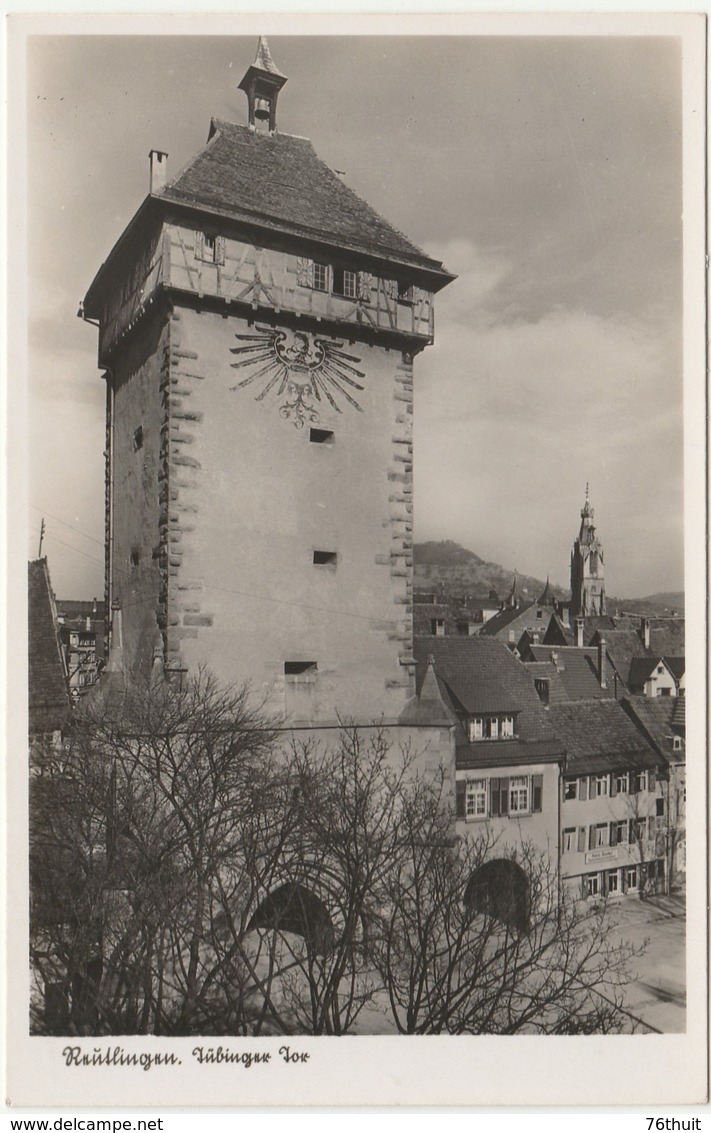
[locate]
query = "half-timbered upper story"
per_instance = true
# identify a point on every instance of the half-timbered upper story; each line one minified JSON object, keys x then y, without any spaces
{"x":257,"y":222}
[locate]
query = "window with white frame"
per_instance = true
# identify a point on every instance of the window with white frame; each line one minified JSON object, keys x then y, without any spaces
{"x":571,"y":789}
{"x":476,"y":728}
{"x":631,"y":877}
{"x":592,"y":885}
{"x":518,"y":794}
{"x":602,"y":785}
{"x":622,"y":783}
{"x":570,"y":840}
{"x":345,"y":283}
{"x":320,"y":277}
{"x":491,"y":727}
{"x":599,"y":836}
{"x":613,"y":881}
{"x":475,"y":805}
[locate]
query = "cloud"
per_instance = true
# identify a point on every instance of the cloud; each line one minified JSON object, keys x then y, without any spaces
{"x":512,"y":420}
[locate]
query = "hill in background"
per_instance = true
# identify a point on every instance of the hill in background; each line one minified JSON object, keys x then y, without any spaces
{"x":453,"y":570}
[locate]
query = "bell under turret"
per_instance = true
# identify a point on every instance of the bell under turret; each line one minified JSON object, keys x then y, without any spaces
{"x":262,"y":83}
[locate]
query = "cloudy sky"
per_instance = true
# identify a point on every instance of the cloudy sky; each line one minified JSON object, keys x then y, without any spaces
{"x":545,"y":172}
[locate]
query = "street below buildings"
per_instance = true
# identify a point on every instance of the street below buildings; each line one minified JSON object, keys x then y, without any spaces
{"x":658,"y":995}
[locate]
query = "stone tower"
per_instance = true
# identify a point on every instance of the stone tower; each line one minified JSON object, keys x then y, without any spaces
{"x":258,"y":324}
{"x":587,"y":570}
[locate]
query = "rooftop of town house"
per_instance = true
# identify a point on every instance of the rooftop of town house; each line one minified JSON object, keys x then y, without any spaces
{"x":661,"y":722}
{"x":577,"y":669}
{"x":599,"y":737}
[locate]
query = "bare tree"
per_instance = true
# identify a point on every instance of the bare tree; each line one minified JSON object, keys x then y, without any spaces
{"x":133,"y":835}
{"x":194,"y":874}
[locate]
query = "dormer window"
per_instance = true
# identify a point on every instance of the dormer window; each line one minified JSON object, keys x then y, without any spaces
{"x":490,"y":728}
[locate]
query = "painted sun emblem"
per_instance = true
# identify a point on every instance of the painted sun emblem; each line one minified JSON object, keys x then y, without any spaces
{"x":300,"y":368}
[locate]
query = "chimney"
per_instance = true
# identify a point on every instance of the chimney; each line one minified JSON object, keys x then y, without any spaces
{"x":579,"y":628}
{"x":159,"y":169}
{"x":644,"y":631}
{"x":87,"y":624}
{"x":601,"y":662}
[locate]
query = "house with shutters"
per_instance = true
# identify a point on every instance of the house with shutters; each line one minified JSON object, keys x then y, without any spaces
{"x":508,"y":758}
{"x":612,"y":807}
{"x":663,"y":722}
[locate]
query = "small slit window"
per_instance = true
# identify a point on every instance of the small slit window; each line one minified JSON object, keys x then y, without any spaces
{"x":300,"y":668}
{"x":325,"y":558}
{"x":321,"y":436}
{"x":135,"y":557}
{"x":138,"y":438}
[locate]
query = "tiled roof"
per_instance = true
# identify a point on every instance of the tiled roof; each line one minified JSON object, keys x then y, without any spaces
{"x":598,"y":736}
{"x":48,"y":690}
{"x":577,"y":670}
{"x":679,"y":716}
{"x":483,"y":676}
{"x":622,"y":646}
{"x":677,"y":665}
{"x":505,"y":753}
{"x":557,"y":633}
{"x":667,"y":637}
{"x":655,"y":718}
{"x":505,"y":618}
{"x":546,"y":670}
{"x":641,"y":669}
{"x":277,"y":181}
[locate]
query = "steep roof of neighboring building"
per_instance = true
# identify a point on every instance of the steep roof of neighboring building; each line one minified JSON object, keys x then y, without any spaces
{"x":677,"y":666}
{"x":577,"y":669}
{"x":48,"y":690}
{"x":598,"y":736}
{"x":506,"y":618}
{"x":483,"y":677}
{"x":655,"y":717}
{"x":667,"y":637}
{"x":546,"y":670}
{"x":641,"y":669}
{"x":277,"y":181}
{"x":557,"y":633}
{"x":622,"y":646}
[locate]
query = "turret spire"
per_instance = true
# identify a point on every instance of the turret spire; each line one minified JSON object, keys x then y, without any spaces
{"x":262,"y":83}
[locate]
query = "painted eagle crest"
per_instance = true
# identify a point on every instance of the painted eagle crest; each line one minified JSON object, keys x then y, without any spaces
{"x":299,"y":367}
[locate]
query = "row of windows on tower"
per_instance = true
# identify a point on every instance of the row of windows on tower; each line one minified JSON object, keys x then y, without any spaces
{"x":330,"y":278}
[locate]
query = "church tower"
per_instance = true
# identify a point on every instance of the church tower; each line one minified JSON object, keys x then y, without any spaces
{"x":587,"y":571}
{"x":258,"y":324}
